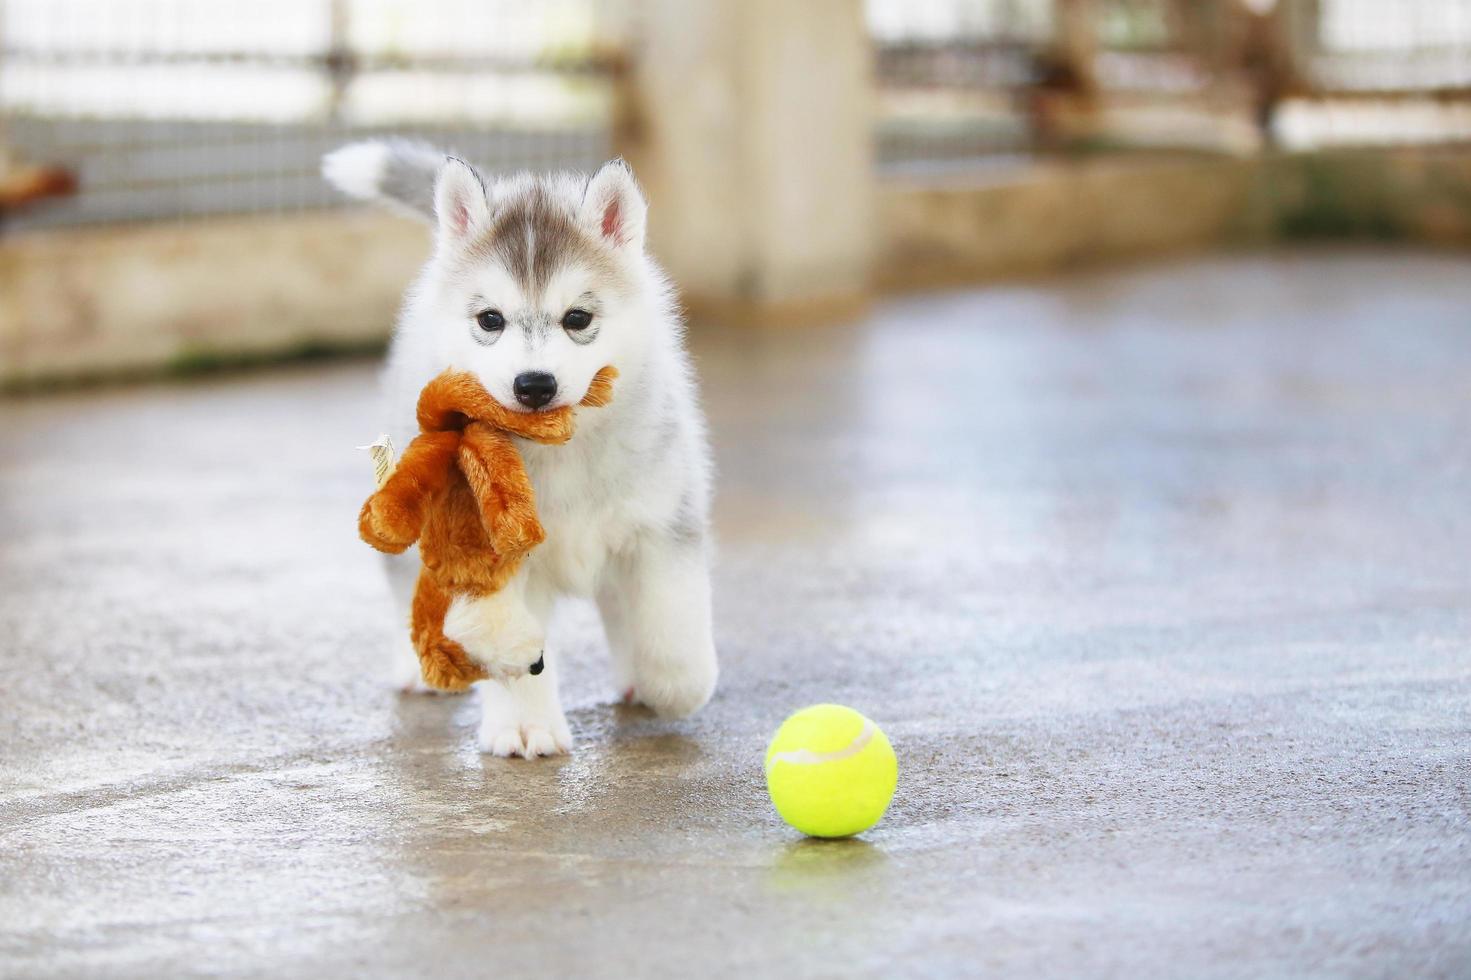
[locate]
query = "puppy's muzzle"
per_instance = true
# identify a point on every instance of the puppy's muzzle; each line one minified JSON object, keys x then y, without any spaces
{"x":534,"y":389}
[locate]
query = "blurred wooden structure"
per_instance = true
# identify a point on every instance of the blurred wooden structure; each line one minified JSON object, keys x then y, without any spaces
{"x":797,"y":157}
{"x":24,"y":185}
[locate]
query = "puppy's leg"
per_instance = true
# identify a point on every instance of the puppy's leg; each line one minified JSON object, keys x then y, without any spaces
{"x":403,"y":666}
{"x":656,"y":612}
{"x":619,"y":631}
{"x":523,"y":716}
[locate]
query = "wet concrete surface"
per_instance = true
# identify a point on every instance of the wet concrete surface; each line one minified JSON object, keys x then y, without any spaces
{"x":1159,"y":580}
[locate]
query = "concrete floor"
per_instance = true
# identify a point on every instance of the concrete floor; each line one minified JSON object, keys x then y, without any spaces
{"x":1159,"y":580}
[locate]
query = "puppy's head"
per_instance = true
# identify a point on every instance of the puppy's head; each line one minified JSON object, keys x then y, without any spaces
{"x":537,"y":281}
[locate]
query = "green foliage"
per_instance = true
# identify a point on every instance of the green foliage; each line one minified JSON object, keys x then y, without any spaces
{"x":1335,"y":196}
{"x":198,"y":362}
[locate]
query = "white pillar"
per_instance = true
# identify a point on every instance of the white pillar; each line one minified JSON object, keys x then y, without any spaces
{"x":749,"y":124}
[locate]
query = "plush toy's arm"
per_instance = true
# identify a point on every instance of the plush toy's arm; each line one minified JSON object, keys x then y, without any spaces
{"x":493,"y":469}
{"x":392,"y":517}
{"x":554,"y":426}
{"x":454,"y":398}
{"x":600,"y":391}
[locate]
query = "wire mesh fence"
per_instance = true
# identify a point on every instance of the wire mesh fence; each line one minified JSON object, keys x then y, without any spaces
{"x":969,"y":83}
{"x":158,"y":109}
{"x":954,"y":78}
{"x":1379,"y":73}
{"x":170,"y":108}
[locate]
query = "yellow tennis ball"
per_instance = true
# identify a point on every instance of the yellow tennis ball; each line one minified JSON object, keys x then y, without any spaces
{"x":830,"y":771}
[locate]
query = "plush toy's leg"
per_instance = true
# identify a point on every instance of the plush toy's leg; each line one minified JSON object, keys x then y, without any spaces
{"x":403,"y":666}
{"x":656,"y":613}
{"x":444,"y":662}
{"x":523,"y":716}
{"x":493,"y":469}
{"x":497,"y":630}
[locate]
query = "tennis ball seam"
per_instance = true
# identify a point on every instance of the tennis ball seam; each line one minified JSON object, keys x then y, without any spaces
{"x":807,"y":757}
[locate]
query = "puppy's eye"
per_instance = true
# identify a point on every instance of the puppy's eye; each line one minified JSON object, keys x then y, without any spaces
{"x":490,"y":320}
{"x":576,"y":319}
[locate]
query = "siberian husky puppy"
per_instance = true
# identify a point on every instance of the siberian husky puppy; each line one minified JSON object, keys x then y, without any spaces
{"x":534,"y":283}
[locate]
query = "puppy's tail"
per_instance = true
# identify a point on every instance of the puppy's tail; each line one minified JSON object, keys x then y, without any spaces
{"x":396,"y":172}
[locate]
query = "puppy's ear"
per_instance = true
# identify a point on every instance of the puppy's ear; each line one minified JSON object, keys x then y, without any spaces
{"x":613,"y":208}
{"x":461,"y":207}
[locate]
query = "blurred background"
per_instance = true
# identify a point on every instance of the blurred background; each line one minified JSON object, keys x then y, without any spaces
{"x":157,"y":156}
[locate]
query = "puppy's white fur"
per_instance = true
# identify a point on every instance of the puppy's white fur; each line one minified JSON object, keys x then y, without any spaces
{"x":357,"y":169}
{"x":625,"y":503}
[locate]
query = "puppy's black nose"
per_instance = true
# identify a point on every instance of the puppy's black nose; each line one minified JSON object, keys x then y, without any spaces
{"x":535,"y":388}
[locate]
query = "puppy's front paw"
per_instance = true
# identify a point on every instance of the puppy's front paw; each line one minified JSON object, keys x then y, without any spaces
{"x":675,"y":688}
{"x":527,"y":741}
{"x":405,"y":676}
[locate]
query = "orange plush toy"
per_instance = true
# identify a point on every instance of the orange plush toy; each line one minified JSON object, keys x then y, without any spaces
{"x":462,"y":492}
